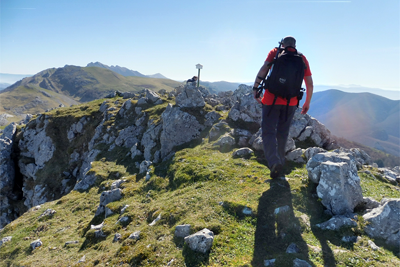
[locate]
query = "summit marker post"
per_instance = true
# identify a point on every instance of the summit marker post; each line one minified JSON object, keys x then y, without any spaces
{"x":199,"y":67}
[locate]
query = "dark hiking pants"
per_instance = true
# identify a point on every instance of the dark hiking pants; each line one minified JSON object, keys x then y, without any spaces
{"x":275,"y":131}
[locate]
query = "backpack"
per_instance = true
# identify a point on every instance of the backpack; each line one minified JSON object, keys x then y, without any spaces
{"x":286,"y":74}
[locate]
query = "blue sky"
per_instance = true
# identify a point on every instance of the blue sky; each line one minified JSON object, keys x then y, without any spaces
{"x":346,"y":42}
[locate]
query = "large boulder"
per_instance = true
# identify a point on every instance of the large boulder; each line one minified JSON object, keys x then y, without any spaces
{"x":190,"y":97}
{"x":178,"y":127}
{"x":200,"y":241}
{"x":338,"y":182}
{"x":383,"y":222}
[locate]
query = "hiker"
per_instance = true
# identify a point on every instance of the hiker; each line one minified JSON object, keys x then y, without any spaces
{"x":193,"y":80}
{"x":277,"y":111}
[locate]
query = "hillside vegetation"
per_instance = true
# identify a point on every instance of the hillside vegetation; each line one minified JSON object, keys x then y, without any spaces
{"x":201,"y":185}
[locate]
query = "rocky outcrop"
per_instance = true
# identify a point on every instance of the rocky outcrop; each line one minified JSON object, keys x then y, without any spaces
{"x":37,"y":149}
{"x":245,"y":108}
{"x":178,"y":127}
{"x":7,"y":174}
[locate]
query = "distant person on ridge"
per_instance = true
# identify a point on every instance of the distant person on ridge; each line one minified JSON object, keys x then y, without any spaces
{"x":193,"y":81}
{"x":278,"y":111}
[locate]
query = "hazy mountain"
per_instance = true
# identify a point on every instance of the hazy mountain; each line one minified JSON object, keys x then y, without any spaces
{"x":4,"y":85}
{"x":12,"y":78}
{"x":125,"y":71}
{"x":393,"y":95}
{"x":362,"y":117}
{"x":220,"y":86}
{"x":157,"y":76}
{"x":120,"y":70}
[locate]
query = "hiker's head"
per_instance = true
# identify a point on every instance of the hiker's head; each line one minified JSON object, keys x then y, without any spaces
{"x":289,"y":41}
{"x":194,"y":77}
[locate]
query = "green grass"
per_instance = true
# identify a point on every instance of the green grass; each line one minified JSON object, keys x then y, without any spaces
{"x":200,"y":186}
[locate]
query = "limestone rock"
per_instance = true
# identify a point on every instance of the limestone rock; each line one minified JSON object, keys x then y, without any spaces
{"x":244,"y":152}
{"x":368,"y":203}
{"x":383,"y":222}
{"x":7,"y":172}
{"x":300,"y":263}
{"x":311,"y":151}
{"x":135,"y":235}
{"x":211,"y":118}
{"x":129,"y":136}
{"x":246,"y":108}
{"x":200,"y":241}
{"x":217,"y":130}
{"x":86,"y":182}
{"x":190,"y":97}
{"x":338,"y":182}
{"x":296,"y":155}
{"x":152,"y":96}
{"x":225,"y":142}
{"x":5,"y":240}
{"x":270,"y":262}
{"x":182,"y":230}
{"x":359,"y":155}
{"x":47,"y":213}
{"x":36,"y":244}
{"x":292,"y":248}
{"x":144,"y":166}
{"x":108,"y":197}
{"x":117,"y":237}
{"x":290,"y":145}
{"x":150,"y":139}
{"x":337,"y":222}
{"x":117,"y":184}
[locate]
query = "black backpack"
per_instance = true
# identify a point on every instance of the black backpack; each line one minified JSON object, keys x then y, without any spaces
{"x":286,"y":75}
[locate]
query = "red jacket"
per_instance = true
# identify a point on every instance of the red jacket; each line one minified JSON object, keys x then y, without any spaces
{"x":268,"y":98}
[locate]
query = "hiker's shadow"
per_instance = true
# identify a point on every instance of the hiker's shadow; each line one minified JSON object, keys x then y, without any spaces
{"x":277,"y":228}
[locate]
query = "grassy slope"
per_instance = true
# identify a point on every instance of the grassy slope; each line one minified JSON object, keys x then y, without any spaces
{"x":23,"y":95}
{"x":200,"y":186}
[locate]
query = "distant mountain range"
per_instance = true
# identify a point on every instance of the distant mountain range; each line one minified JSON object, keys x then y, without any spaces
{"x":365,"y":118}
{"x":391,"y":94}
{"x":125,"y":71}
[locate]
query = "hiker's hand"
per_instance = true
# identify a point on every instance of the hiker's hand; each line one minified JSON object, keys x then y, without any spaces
{"x":306,"y":107}
{"x":255,"y":97}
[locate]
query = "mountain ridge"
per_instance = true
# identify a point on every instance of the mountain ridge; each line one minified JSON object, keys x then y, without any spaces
{"x":124,"y":71}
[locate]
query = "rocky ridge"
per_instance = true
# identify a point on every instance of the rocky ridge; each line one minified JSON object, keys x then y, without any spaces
{"x":28,"y":154}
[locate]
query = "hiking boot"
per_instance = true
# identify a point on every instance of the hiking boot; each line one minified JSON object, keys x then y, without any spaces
{"x":276,"y":170}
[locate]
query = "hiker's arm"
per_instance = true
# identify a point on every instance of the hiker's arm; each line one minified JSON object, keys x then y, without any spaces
{"x":310,"y":88}
{"x":261,"y":73}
